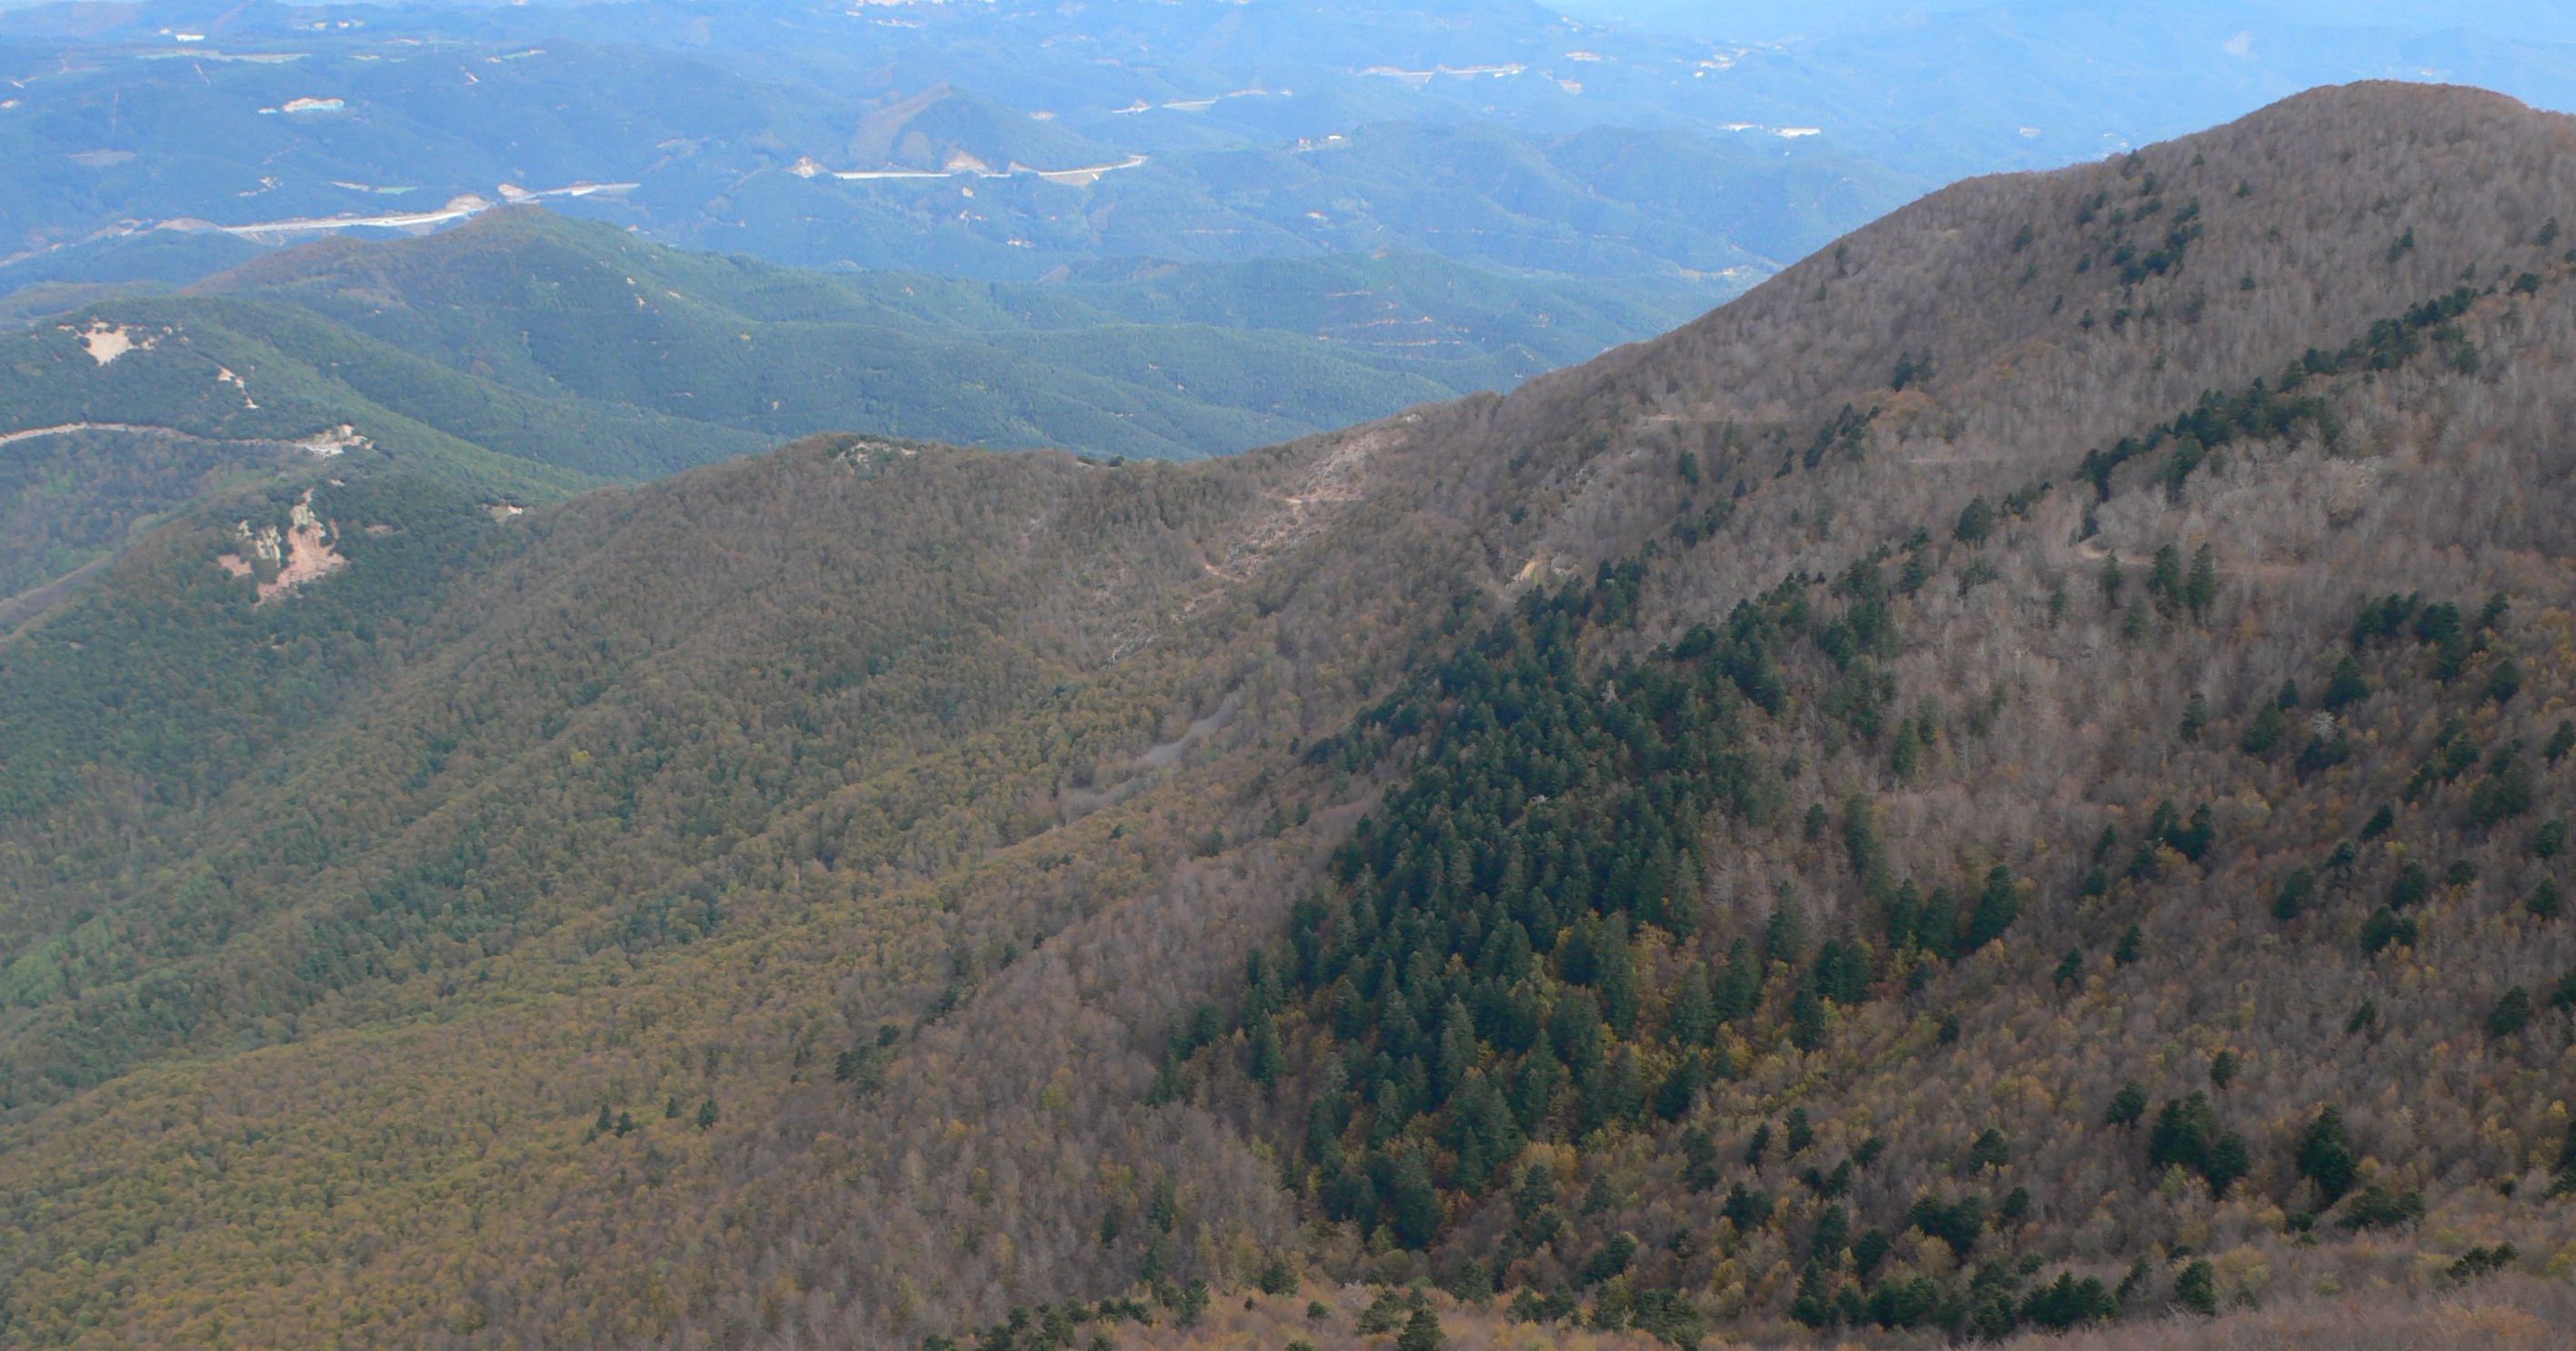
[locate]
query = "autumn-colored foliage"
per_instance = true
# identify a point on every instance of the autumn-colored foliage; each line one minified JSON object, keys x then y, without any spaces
{"x":1712,"y":848}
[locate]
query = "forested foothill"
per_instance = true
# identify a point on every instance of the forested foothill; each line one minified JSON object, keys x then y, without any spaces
{"x":523,"y":357}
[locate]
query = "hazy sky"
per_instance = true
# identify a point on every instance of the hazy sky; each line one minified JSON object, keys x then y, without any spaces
{"x":2553,"y":20}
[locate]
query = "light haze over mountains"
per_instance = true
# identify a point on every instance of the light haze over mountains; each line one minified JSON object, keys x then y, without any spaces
{"x":1286,"y":675}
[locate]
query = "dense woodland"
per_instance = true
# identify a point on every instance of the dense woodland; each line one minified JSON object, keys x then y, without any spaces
{"x":2014,"y":783}
{"x":572,"y":346}
{"x":73,"y":499}
{"x":527,"y":357}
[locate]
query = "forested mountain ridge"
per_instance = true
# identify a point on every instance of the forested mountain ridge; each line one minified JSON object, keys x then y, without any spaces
{"x":1148,"y":363}
{"x":574,"y":345}
{"x":1864,"y":814}
{"x":524,"y":357}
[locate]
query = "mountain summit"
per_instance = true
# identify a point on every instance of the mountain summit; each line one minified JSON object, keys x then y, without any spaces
{"x":2015,"y":778}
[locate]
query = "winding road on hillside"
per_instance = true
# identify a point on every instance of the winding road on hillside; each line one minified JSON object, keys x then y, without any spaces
{"x":68,"y":428}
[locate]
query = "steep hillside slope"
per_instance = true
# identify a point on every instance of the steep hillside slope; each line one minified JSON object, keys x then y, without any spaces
{"x":2014,"y":778}
{"x":1965,"y":703}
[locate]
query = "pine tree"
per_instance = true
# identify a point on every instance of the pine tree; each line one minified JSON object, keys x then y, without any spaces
{"x":1699,"y":1160}
{"x":2186,"y":1129}
{"x":1483,"y":1133}
{"x":1616,"y":981}
{"x":2266,"y":731}
{"x":1413,"y":1202}
{"x":2068,"y":1302}
{"x":1692,"y":1020}
{"x":1997,"y":907}
{"x":1263,"y":1058}
{"x":2347,"y":686}
{"x":1808,"y":1024}
{"x":2200,"y":590}
{"x":2164,"y":577}
{"x":2505,"y":681}
{"x":2511,"y":1014}
{"x":2564,"y":1183}
{"x":1976,"y":522}
{"x":2325,"y":1156}
{"x":2230,"y":1158}
{"x":1384,"y":1314}
{"x":1680,"y":1087}
{"x":1741,"y":990}
{"x":1784,"y":935}
{"x":1860,"y":839}
{"x":1421,"y":1332}
{"x":2197,"y":1289}
{"x":1812,"y":1306}
{"x":1457,"y":1050}
{"x":2196,"y":714}
{"x":2135,"y":623}
{"x":1746,"y":1208}
{"x":2292,"y":898}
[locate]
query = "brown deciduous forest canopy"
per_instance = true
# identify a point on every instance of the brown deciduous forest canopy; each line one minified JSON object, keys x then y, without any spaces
{"x":2013,"y":783}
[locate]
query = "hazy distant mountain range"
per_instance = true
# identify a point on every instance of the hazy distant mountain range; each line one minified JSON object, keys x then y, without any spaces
{"x":2509,"y":20}
{"x":1009,"y":140}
